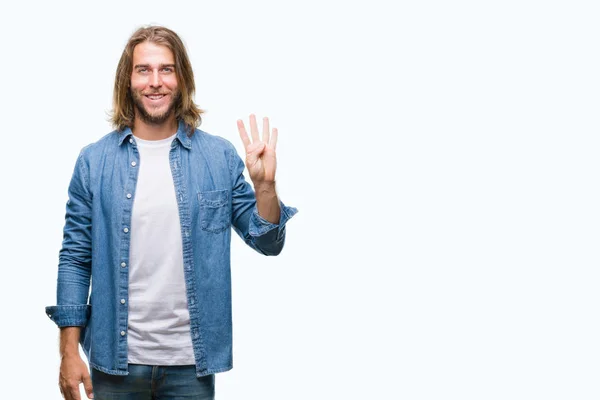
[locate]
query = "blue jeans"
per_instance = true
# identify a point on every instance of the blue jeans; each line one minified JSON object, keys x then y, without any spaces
{"x":147,"y":382}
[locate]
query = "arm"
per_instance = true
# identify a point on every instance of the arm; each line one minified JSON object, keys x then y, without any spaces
{"x":74,"y":271}
{"x":259,"y":217}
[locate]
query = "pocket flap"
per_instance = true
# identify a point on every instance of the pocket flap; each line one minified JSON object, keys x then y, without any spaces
{"x":214,"y":198}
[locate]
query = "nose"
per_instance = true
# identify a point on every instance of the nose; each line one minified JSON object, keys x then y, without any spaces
{"x":155,"y":81}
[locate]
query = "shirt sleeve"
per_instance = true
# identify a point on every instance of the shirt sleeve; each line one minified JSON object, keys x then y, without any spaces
{"x":75,"y":256}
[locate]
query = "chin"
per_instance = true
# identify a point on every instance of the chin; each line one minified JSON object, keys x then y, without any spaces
{"x":152,"y":115}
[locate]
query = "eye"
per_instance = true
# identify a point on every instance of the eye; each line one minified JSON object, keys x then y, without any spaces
{"x":142,"y":70}
{"x":167,"y":69}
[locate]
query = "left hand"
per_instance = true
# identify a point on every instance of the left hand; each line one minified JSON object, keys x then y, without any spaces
{"x":261,"y":159}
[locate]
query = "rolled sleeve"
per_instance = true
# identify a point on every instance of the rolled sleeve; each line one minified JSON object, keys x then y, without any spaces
{"x":260,"y":226}
{"x":69,"y":315}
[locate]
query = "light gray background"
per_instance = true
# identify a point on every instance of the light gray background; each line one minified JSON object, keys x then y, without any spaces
{"x":443,"y":156}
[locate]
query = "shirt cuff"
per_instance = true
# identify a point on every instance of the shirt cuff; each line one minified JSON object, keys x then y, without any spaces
{"x":259,"y":226}
{"x":69,"y":315}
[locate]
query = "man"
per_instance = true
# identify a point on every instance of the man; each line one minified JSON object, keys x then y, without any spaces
{"x":148,"y":222}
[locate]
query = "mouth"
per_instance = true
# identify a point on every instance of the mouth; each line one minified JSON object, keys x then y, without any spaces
{"x":154,"y":97}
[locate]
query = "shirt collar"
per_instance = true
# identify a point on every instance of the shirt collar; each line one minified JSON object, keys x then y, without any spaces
{"x":182,"y":136}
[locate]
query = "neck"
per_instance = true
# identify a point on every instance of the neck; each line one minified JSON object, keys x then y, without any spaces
{"x":146,"y":131}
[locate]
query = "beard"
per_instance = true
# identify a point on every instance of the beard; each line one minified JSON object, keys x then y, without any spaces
{"x":155,"y":119}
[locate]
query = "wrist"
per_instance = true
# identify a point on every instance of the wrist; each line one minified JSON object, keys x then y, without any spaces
{"x":70,"y":355}
{"x":264,"y":187}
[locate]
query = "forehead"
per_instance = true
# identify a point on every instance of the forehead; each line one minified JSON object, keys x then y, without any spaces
{"x":152,"y":53}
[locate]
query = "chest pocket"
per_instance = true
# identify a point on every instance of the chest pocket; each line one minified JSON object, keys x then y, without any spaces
{"x":215,"y":212}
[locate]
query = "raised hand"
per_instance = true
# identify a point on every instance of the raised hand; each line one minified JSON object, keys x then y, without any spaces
{"x":261,"y":159}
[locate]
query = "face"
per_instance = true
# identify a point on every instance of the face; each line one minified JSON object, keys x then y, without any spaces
{"x":154,"y":83}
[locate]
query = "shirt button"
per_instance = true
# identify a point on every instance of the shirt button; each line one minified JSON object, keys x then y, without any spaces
{"x":122,"y":301}
{"x":123,"y":265}
{"x":125,"y":230}
{"x":122,"y":333}
{"x":130,"y":140}
{"x":128,"y":195}
{"x":133,"y":164}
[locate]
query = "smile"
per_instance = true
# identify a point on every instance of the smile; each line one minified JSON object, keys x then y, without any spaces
{"x":155,"y":96}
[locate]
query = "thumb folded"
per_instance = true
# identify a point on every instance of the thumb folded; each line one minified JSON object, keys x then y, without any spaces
{"x":253,"y":155}
{"x":260,"y":147}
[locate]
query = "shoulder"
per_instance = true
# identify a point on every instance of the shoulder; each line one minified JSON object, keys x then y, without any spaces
{"x":95,"y":153}
{"x":98,"y":148}
{"x":213,"y":145}
{"x":216,"y":142}
{"x":217,"y":149}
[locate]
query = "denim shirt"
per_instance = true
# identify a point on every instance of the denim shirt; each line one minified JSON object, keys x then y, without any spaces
{"x":212,"y":197}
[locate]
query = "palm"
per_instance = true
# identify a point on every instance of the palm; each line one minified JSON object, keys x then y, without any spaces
{"x":261,"y":158}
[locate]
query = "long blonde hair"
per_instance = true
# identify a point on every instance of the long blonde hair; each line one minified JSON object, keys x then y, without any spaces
{"x":123,"y":108}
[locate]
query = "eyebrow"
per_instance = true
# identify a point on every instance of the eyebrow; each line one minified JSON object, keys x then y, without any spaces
{"x":148,"y":66}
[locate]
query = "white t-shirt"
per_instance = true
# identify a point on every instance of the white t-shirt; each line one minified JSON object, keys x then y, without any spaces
{"x":159,"y":321}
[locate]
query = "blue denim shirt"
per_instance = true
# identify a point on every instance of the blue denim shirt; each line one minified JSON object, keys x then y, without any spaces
{"x":212,"y":196}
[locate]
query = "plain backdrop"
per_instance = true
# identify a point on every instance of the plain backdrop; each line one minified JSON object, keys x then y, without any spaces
{"x":444,"y":157}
